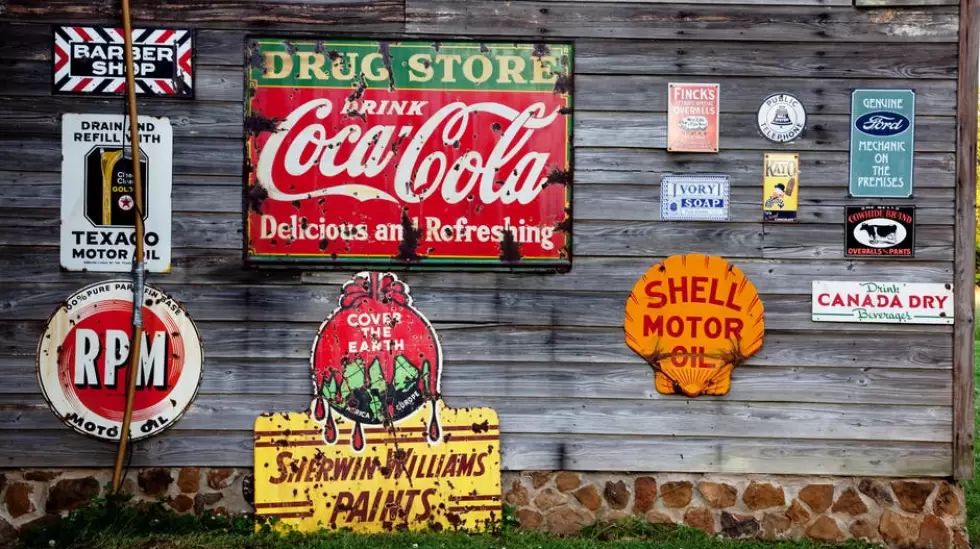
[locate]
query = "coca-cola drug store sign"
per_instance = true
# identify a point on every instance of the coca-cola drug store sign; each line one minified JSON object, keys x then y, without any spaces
{"x":408,"y":153}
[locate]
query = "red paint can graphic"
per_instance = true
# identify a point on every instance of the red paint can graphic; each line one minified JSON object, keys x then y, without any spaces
{"x":84,"y":355}
{"x":376,"y":360}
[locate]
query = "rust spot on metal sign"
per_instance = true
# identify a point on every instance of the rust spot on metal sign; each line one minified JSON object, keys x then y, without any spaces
{"x":407,"y":249}
{"x":563,"y":83}
{"x":385,"y":49}
{"x":255,"y":123}
{"x":256,"y":196}
{"x":509,"y":248}
{"x":541,"y":50}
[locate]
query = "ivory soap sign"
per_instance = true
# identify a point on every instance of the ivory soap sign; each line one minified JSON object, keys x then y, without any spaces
{"x":882,"y":302}
{"x":694,"y":318}
{"x":98,"y":207}
{"x":378,"y":449}
{"x":409,"y":154}
{"x":692,"y":117}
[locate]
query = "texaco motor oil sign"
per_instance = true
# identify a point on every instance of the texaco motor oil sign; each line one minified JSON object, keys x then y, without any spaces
{"x":378,"y":449}
{"x":409,"y":153}
{"x":83,"y":361}
{"x":98,"y":209}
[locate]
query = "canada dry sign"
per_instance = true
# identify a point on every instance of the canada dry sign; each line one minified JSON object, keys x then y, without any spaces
{"x":83,"y":360}
{"x":694,"y":318}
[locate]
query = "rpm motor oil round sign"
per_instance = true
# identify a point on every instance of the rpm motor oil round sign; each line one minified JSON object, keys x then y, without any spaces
{"x":84,"y":355}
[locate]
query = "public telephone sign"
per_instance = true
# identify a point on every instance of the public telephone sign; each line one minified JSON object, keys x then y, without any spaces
{"x":408,"y":153}
{"x":882,"y":143}
{"x":83,"y":360}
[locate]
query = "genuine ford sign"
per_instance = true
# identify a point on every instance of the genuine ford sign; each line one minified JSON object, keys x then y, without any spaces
{"x":882,"y":123}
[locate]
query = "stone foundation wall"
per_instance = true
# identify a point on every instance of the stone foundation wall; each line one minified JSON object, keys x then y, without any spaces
{"x":922,"y":513}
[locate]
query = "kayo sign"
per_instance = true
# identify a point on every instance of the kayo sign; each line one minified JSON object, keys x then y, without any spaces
{"x":378,"y":449}
{"x":98,"y":207}
{"x":887,"y":302}
{"x":91,"y":60}
{"x":409,"y":153}
{"x":694,"y":318}
{"x":84,"y":353}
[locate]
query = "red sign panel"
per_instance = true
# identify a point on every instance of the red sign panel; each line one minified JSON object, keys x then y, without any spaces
{"x":409,"y":153}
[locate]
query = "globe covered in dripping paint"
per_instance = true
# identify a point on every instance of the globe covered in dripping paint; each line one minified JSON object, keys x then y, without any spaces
{"x":376,"y":359}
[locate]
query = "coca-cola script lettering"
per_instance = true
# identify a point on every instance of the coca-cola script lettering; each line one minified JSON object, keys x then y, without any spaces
{"x":405,"y":165}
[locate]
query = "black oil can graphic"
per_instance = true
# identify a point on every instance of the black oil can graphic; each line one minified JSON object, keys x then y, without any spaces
{"x":110,"y":199}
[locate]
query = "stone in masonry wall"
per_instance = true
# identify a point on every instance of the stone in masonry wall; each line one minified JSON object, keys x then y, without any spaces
{"x":920,"y":513}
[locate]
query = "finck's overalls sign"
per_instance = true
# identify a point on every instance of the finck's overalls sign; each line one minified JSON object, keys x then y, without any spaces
{"x":409,"y":153}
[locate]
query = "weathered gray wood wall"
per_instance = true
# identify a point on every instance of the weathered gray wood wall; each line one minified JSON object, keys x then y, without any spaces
{"x":546,"y":351}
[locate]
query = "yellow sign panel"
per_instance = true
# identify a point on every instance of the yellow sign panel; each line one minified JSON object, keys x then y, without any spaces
{"x":694,"y":318}
{"x":378,"y":450}
{"x":781,"y":179}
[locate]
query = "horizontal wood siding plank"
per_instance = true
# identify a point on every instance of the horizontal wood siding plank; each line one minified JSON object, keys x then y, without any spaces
{"x":691,"y":21}
{"x":526,"y":452}
{"x":820,"y":61}
{"x":787,"y":241}
{"x":817,"y":168}
{"x":750,"y":383}
{"x":669,"y":417}
{"x":508,"y":307}
{"x":592,"y":92}
{"x":220,"y":267}
{"x":363,"y":14}
{"x":552,"y":344}
{"x":591,"y":202}
{"x":41,"y":116}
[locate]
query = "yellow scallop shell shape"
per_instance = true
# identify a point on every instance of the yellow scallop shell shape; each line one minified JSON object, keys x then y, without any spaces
{"x":694,"y":318}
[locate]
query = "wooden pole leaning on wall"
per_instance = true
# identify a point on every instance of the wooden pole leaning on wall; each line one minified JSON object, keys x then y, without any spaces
{"x":138,"y":259}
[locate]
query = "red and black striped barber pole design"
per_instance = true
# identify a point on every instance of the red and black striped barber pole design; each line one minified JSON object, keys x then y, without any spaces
{"x":91,"y":60}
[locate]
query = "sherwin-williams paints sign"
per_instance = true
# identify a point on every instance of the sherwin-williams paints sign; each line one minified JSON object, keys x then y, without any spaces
{"x":409,"y":153}
{"x":882,"y":143}
{"x":378,"y":448}
{"x":694,"y":318}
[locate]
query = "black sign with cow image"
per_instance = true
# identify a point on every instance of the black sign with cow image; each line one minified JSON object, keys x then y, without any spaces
{"x":879,"y":231}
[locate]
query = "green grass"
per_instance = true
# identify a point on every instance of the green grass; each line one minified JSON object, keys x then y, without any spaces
{"x":117,"y":524}
{"x":972,"y":488}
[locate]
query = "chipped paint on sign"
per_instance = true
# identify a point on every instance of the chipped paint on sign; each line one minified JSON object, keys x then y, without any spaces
{"x":694,"y":318}
{"x":409,"y":154}
{"x":781,"y":186}
{"x":83,"y":360}
{"x":693,"y":117}
{"x":378,"y":449}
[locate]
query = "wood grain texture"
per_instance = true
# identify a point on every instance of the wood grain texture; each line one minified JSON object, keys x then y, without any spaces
{"x":592,"y":92}
{"x":825,"y":169}
{"x":41,"y":116}
{"x":367,"y":14}
{"x":616,"y":381}
{"x":223,"y":267}
{"x":553,"y":416}
{"x":904,"y":3}
{"x":551,"y":344}
{"x":965,"y":238}
{"x":820,"y":205}
{"x":522,"y":453}
{"x":693,"y":21}
{"x":508,"y":307}
{"x":626,"y":57}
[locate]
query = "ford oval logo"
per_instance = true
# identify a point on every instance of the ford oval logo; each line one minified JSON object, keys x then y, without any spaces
{"x":882,"y":123}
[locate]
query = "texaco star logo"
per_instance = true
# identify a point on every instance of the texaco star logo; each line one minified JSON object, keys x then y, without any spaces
{"x":126,"y":202}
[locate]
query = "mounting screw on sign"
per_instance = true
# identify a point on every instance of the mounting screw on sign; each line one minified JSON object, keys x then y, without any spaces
{"x":694,"y":318}
{"x":83,"y":358}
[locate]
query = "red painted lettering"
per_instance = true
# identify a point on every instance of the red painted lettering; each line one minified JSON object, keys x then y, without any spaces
{"x":657,"y":299}
{"x":679,"y":288}
{"x":698,"y":288}
{"x":733,"y":326}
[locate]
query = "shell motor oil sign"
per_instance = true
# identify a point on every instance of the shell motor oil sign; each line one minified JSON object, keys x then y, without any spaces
{"x":694,"y":318}
{"x":398,"y":153}
{"x":84,"y":354}
{"x":378,"y":449}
